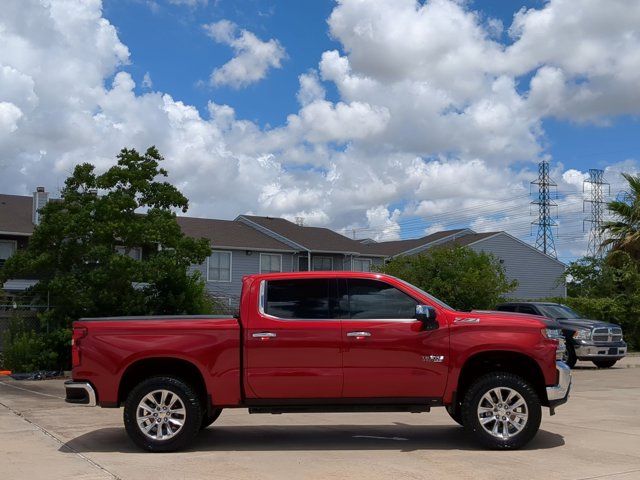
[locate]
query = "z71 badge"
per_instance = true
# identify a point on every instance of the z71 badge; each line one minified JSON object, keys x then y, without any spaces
{"x":433,"y":358}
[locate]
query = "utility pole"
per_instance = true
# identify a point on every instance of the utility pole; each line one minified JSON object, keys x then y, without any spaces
{"x":545,"y":222}
{"x":596,"y":201}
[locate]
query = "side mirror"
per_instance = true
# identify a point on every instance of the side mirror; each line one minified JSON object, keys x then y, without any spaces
{"x":427,"y":315}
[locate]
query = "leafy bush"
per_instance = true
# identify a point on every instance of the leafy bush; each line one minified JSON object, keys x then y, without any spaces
{"x":27,"y":350}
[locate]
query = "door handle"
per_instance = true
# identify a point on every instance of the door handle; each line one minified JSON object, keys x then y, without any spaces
{"x":358,"y":334}
{"x":264,"y":335}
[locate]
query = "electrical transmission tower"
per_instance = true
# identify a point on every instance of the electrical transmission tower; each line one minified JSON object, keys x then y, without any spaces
{"x":596,"y":184}
{"x":545,"y":222}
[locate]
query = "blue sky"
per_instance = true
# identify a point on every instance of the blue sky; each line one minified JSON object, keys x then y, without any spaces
{"x":167,"y":41}
{"x":390,"y":117}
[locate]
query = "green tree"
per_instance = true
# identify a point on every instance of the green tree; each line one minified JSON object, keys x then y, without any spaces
{"x":81,"y":251}
{"x":459,"y":276}
{"x":623,"y":231}
{"x":607,"y":289}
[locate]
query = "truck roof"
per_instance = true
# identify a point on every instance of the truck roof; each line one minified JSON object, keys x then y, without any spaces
{"x":320,"y":273}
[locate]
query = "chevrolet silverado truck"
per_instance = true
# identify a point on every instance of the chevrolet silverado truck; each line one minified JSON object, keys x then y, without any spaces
{"x":590,"y":340}
{"x":321,"y":342}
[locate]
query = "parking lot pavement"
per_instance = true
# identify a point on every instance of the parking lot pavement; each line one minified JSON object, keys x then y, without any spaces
{"x":595,"y":435}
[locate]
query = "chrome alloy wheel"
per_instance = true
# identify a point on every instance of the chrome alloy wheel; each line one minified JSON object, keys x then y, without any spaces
{"x":503,"y":412}
{"x":161,"y":415}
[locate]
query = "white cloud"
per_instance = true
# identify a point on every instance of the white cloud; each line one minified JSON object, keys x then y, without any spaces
{"x":432,"y":120}
{"x":189,"y":3}
{"x":147,"y":82}
{"x":310,"y":88}
{"x":9,"y":116}
{"x":383,"y":223}
{"x":253,"y":57}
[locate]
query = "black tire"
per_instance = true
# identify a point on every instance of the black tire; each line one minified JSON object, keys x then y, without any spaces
{"x":191,"y":421}
{"x":454,"y":413}
{"x":209,"y":419}
{"x":473,"y":399}
{"x":604,"y":363}
{"x":571,"y":356}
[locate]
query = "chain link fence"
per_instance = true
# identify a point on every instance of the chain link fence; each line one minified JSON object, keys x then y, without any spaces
{"x":20,"y":309}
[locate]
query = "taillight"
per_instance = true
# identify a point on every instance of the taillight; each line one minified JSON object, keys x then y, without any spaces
{"x":78,"y":334}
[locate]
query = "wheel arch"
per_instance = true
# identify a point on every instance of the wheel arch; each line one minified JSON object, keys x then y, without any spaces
{"x":161,"y":366}
{"x":500,"y":361}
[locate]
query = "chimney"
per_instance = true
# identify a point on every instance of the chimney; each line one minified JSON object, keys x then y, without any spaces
{"x":40,"y":199}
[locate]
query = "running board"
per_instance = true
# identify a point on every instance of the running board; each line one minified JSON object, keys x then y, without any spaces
{"x":340,"y":408}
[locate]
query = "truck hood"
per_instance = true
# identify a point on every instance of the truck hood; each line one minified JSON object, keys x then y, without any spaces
{"x":576,"y":323}
{"x":511,"y":317}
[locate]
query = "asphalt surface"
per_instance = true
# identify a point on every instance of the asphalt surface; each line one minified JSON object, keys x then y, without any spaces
{"x":595,"y":436}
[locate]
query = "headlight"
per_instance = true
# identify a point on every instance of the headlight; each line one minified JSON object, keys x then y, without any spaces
{"x":552,"y":333}
{"x":582,"y":334}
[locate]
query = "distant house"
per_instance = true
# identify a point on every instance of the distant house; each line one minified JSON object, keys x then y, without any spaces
{"x":538,"y":274}
{"x":255,"y":244}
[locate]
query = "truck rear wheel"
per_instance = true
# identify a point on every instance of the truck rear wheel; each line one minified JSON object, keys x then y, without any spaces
{"x":502,"y":410}
{"x":162,"y":414}
{"x":209,"y":419}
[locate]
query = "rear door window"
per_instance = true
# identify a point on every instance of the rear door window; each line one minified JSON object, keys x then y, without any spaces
{"x":298,"y":299}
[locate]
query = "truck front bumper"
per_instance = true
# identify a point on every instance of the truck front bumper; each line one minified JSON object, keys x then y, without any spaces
{"x":559,"y":393}
{"x":80,"y":392}
{"x":590,"y":351}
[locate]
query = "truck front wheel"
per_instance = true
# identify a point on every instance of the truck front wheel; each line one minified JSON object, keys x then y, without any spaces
{"x":604,"y":363}
{"x":162,"y":414}
{"x":502,"y":410}
{"x":455,"y":414}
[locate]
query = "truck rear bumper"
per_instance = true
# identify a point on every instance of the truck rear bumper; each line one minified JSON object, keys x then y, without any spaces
{"x":80,"y":392}
{"x":594,"y":352}
{"x":559,"y":393}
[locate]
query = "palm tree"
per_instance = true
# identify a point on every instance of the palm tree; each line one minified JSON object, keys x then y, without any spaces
{"x":623,"y":232}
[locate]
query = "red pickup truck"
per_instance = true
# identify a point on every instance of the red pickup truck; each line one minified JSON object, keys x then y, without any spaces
{"x":321,"y":342}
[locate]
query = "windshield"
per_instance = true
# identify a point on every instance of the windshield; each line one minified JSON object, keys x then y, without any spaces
{"x":422,"y":292}
{"x":558,"y":311}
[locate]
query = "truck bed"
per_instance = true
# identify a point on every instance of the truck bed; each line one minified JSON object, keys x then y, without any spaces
{"x":114,"y":347}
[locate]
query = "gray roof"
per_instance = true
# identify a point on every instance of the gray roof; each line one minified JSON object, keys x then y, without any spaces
{"x":312,"y":238}
{"x":15,"y":214}
{"x":229,"y":233}
{"x":469,"y":239}
{"x":397,"y":247}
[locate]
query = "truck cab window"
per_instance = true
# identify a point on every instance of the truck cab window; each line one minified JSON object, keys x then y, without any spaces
{"x":298,"y":299}
{"x":527,"y":309}
{"x":372,"y":299}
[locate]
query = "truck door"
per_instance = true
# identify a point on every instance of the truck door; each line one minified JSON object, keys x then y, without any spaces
{"x":293,"y":343}
{"x":387,"y":353}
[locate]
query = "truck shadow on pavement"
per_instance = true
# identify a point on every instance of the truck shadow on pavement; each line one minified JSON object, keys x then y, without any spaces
{"x":222,"y":438}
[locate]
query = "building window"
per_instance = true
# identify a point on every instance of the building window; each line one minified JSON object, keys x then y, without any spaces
{"x":322,"y":263}
{"x":361,"y":264}
{"x":219,"y":267}
{"x":270,"y":263}
{"x":7,"y":248}
{"x":134,"y":252}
